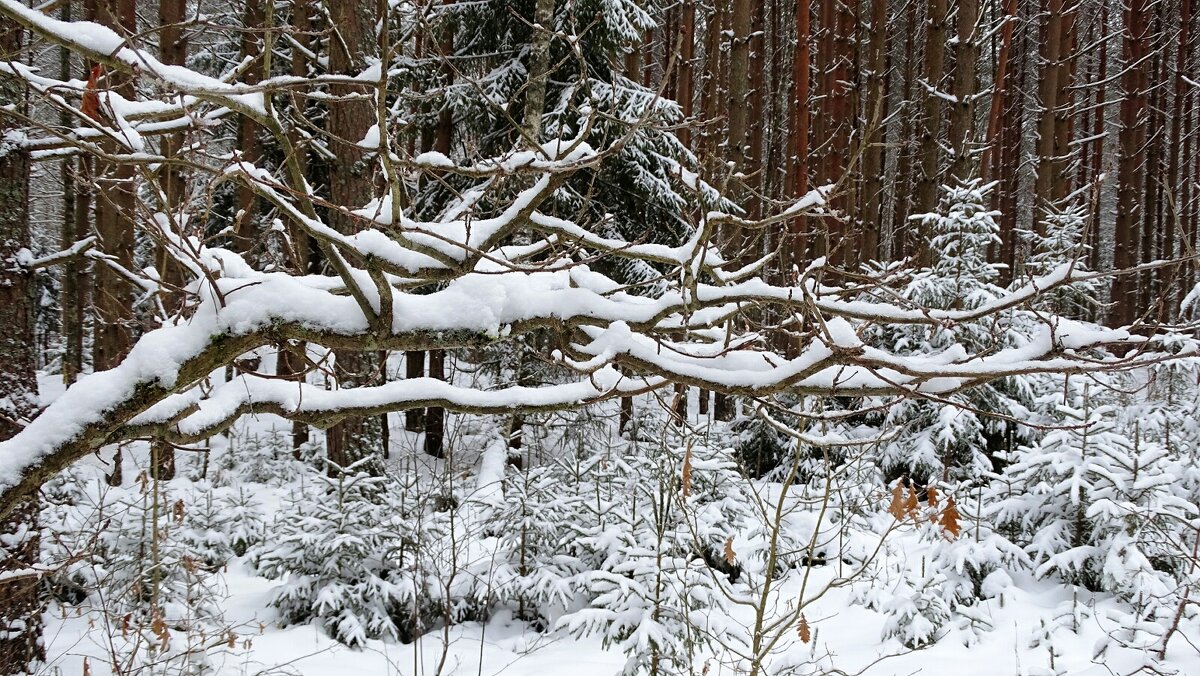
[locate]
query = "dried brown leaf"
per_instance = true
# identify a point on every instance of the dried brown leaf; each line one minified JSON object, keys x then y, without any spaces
{"x":950,"y":516}
{"x":912,"y":506}
{"x":90,"y":105}
{"x":896,"y":508}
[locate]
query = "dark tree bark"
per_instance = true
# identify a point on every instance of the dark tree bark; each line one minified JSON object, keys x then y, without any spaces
{"x":962,"y":111}
{"x":245,"y":239}
{"x":350,"y":116}
{"x":414,"y":367}
{"x":435,"y":417}
{"x":904,"y":241}
{"x":1131,"y":164}
{"x":739,"y":82}
{"x":935,"y":54}
{"x":998,"y":135}
{"x":1054,"y":92}
{"x":1181,"y":138}
{"x":686,"y":68}
{"x":75,"y":226}
{"x":20,"y":600}
{"x":291,"y":361}
{"x":873,"y":183}
{"x":115,"y":201}
{"x":172,"y":48}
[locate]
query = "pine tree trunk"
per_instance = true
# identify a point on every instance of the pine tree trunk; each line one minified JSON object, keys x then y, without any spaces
{"x":962,"y":111}
{"x":686,"y":69}
{"x":245,"y":239}
{"x":1131,"y":166}
{"x":935,"y":48}
{"x":172,"y":47}
{"x":349,"y":119}
{"x":1000,"y":93}
{"x":1181,"y":151}
{"x":1147,"y":293}
{"x":739,"y":82}
{"x":75,"y":198}
{"x":904,"y":241}
{"x":998,"y":132}
{"x":20,"y":599}
{"x":539,"y":68}
{"x":291,"y":360}
{"x":115,"y":202}
{"x":414,"y":367}
{"x":873,"y":183}
{"x":799,"y":125}
{"x":435,"y":418}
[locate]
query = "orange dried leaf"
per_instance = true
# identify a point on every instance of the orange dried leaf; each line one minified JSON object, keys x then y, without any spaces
{"x":912,"y":505}
{"x":804,"y":630}
{"x":931,"y":497}
{"x":730,"y":557}
{"x":159,"y":628}
{"x":87,"y":668}
{"x":950,"y":516}
{"x":896,"y":509}
{"x":90,"y":105}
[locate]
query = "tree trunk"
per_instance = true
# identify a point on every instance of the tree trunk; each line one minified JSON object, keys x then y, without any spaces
{"x":539,"y":68}
{"x":962,"y":111}
{"x":172,"y":47}
{"x":873,"y":183}
{"x":349,"y":119}
{"x":739,"y":83}
{"x":1181,"y":151}
{"x":686,"y":68}
{"x":20,"y":599}
{"x":998,"y":133}
{"x":904,"y":242}
{"x":1131,"y":165}
{"x":75,"y":226}
{"x":796,"y":247}
{"x":935,"y":48}
{"x":414,"y":367}
{"x":435,"y":417}
{"x":679,"y":404}
{"x":245,"y":237}
{"x":1000,"y":92}
{"x":291,"y":361}
{"x":115,"y":201}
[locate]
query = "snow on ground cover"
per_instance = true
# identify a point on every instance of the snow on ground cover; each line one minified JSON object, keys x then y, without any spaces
{"x":1030,"y":627}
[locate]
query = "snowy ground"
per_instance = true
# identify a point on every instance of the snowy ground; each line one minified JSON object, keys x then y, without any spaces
{"x":846,"y":636}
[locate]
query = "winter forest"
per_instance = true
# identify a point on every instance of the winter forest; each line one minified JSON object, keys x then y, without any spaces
{"x":599,"y":337}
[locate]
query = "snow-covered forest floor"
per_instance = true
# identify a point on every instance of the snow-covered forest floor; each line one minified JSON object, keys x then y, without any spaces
{"x":601,"y":551}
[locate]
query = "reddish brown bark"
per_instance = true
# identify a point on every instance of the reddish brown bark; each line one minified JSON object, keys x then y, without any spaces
{"x":1131,"y":164}
{"x":113,"y":331}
